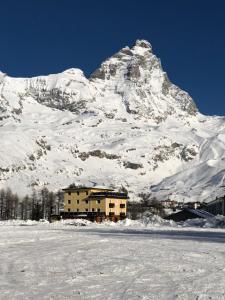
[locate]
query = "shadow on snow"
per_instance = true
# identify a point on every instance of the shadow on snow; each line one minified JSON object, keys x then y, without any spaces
{"x":198,"y":236}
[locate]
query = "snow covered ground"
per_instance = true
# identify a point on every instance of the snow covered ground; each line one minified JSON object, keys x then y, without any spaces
{"x":105,"y":261}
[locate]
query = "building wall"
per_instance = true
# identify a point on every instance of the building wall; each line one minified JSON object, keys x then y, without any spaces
{"x":81,"y":195}
{"x":71,"y":205}
{"x":116,"y":209}
{"x":94,"y":205}
{"x":216,"y":207}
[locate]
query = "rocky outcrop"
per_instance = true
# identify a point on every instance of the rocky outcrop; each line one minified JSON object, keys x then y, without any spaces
{"x":97,"y":153}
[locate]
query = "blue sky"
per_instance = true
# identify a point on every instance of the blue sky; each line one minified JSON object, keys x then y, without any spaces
{"x":48,"y":36}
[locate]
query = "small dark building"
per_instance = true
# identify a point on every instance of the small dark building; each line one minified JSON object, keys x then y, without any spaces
{"x":189,"y":213}
{"x":216,"y":207}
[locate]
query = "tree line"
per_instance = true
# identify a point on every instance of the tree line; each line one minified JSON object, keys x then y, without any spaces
{"x":136,"y":210}
{"x":39,"y":205}
{"x":44,"y":204}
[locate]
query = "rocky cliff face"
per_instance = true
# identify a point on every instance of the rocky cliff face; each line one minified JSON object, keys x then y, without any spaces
{"x":127,"y":125}
{"x":137,"y":77}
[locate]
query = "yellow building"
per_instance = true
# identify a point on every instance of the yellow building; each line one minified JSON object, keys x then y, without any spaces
{"x":94,"y":204}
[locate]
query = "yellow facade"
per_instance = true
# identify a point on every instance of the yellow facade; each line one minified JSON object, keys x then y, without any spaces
{"x":116,"y":209}
{"x":83,"y":200}
{"x":76,"y":200}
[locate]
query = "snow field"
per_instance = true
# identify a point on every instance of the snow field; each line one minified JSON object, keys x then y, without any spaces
{"x":62,"y":261}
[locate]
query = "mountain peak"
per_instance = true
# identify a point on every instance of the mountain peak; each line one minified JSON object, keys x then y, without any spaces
{"x":143,"y":44}
{"x":137,"y":76}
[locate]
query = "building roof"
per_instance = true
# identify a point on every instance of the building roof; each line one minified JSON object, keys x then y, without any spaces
{"x":189,"y":213}
{"x":217,"y":200}
{"x":86,"y":188}
{"x":201,"y":213}
{"x":114,"y":195}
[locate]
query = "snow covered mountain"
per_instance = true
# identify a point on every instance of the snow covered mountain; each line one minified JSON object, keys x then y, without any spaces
{"x":127,"y":125}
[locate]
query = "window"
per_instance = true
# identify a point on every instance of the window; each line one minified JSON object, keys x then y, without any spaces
{"x":69,"y":193}
{"x":98,"y":201}
{"x":87,"y":193}
{"x":86,"y":201}
{"x":111,"y":205}
{"x":78,"y":201}
{"x":122,"y":214}
{"x":77,"y":209}
{"x":68,"y":209}
{"x":69,"y":201}
{"x":93,"y":209}
{"x":99,"y":210}
{"x":86,"y":209}
{"x":111,"y":214}
{"x":122,"y":205}
{"x":78,"y":193}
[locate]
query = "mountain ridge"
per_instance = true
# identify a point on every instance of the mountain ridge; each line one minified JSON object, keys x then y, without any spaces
{"x":126,"y":125}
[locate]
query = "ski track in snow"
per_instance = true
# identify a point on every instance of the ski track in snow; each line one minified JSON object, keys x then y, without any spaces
{"x":54,"y":261}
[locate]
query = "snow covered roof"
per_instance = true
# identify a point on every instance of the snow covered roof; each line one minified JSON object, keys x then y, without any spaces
{"x":201,"y":213}
{"x":113,"y":195}
{"x":189,"y":213}
{"x":86,"y":188}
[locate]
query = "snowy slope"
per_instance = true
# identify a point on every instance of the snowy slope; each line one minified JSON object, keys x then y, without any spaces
{"x":127,"y":125}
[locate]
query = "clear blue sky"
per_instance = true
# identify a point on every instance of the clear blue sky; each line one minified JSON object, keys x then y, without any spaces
{"x":48,"y":36}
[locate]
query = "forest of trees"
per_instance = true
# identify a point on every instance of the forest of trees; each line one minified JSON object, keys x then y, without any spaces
{"x":40,"y":205}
